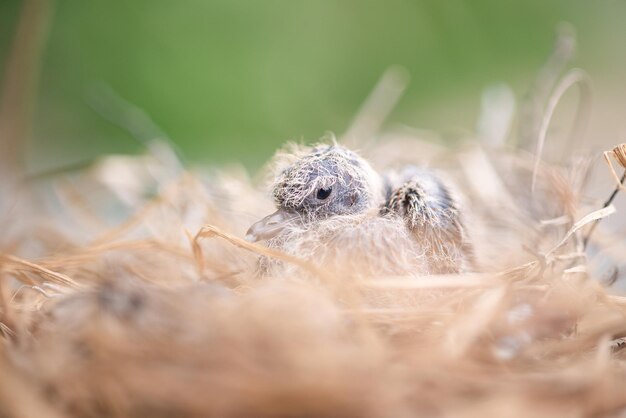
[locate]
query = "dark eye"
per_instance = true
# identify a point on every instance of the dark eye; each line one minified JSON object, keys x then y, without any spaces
{"x":322,"y":193}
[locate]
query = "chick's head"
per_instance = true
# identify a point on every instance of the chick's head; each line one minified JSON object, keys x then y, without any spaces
{"x":327,"y":181}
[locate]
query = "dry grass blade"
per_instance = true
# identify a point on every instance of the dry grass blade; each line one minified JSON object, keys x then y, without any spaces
{"x":13,"y":263}
{"x":573,"y":77}
{"x":619,"y":153}
{"x":532,"y":109}
{"x":210,"y":231}
{"x":591,"y":217}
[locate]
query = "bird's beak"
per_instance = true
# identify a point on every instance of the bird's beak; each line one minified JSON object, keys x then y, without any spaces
{"x":270,"y":226}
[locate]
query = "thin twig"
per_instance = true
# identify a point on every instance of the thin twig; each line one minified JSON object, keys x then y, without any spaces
{"x":606,"y":204}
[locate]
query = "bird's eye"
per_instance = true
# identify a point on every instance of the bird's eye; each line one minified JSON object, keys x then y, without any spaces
{"x":322,"y":193}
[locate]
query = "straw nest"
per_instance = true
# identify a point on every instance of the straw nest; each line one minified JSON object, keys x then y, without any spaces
{"x":126,"y":290}
{"x":167,"y":313}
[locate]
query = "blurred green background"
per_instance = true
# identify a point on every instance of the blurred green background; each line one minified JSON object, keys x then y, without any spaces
{"x":231,"y":80}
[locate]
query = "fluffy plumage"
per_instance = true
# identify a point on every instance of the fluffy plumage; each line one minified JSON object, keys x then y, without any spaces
{"x":333,"y":206}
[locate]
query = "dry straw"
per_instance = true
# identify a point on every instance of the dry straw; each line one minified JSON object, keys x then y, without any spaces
{"x":170,"y":313}
{"x":140,"y":320}
{"x":619,"y":153}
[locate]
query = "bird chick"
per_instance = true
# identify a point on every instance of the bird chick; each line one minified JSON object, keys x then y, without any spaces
{"x":334,"y":209}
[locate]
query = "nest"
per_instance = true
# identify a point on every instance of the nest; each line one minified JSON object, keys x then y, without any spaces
{"x":166,"y":313}
{"x":126,"y":290}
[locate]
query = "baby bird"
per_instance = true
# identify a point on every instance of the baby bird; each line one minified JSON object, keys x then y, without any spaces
{"x":336,"y":211}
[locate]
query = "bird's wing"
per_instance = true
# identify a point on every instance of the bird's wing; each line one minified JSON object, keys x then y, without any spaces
{"x":433,"y":214}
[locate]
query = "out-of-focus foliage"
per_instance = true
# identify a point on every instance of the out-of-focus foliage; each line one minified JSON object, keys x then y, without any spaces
{"x":230,"y":80}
